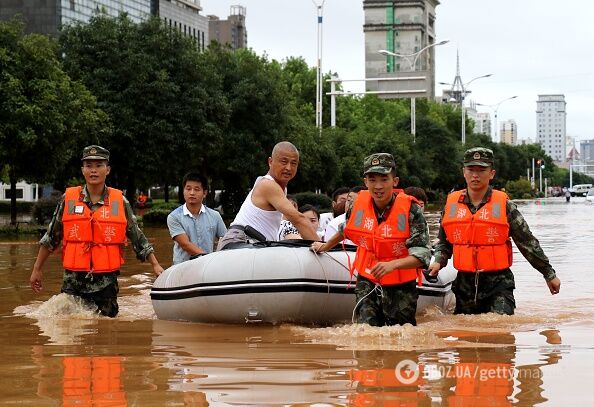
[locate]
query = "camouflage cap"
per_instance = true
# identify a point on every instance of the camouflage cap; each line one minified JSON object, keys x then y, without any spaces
{"x":480,"y":156}
{"x":379,"y":163}
{"x":95,"y":152}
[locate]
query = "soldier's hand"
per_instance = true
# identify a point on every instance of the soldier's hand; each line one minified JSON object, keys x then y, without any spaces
{"x":35,"y":281}
{"x":434,"y":269}
{"x":382,"y":268}
{"x":157,"y":269}
{"x":554,"y":285}
{"x":318,"y":247}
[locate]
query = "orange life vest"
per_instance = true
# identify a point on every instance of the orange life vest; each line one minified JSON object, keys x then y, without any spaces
{"x":481,"y":384}
{"x":93,"y":381}
{"x":141,"y":201}
{"x":93,"y":241}
{"x":378,"y":243}
{"x":383,"y":387}
{"x":481,"y":240}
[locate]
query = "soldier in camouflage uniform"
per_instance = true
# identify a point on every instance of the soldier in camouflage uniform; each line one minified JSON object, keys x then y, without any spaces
{"x":396,"y":302}
{"x":100,"y":289}
{"x":492,"y":291}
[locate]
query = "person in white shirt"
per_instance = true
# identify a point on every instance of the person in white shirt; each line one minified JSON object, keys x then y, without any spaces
{"x":339,"y":197}
{"x":338,"y":223}
{"x":267,"y":202}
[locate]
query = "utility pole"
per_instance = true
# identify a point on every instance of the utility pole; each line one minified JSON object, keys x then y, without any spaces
{"x":319,"y":83}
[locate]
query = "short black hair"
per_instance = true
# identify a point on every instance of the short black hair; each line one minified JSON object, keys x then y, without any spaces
{"x":308,"y":207}
{"x":196,"y":177}
{"x":416,"y":192}
{"x":358,"y":189}
{"x":339,"y":191}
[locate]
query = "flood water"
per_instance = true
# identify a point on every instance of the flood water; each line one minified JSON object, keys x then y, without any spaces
{"x":54,"y":352}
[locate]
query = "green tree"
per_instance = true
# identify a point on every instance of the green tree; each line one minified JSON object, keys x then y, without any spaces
{"x":260,"y":108}
{"x":164,"y":99}
{"x":42,"y":111}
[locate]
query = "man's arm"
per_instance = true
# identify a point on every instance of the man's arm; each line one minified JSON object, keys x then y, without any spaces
{"x":184,"y":242}
{"x":276,"y":197}
{"x":37,"y":273}
{"x":320,"y":247}
{"x":48,"y":243}
{"x":530,"y":247}
{"x":143,"y":249}
{"x":179,"y":235}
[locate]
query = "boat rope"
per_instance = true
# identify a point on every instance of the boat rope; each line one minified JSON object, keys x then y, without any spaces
{"x":333,"y":259}
{"x":324,"y":270}
{"x":381,"y":294}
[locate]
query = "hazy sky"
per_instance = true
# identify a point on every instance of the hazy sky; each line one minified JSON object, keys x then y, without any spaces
{"x":531,"y":47}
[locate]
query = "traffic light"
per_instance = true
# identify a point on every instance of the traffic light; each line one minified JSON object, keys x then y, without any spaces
{"x":540,"y":163}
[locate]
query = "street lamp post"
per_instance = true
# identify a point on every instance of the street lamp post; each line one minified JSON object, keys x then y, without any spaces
{"x":495,"y":107}
{"x":412,"y":60}
{"x":319,"y":84}
{"x":463,"y":91}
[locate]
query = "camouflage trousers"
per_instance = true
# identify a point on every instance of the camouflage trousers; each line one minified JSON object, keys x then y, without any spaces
{"x":479,"y":293}
{"x":386,"y":305}
{"x":100,"y":289}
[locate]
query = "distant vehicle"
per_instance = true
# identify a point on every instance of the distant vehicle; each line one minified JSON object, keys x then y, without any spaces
{"x":580,"y":189}
{"x":590,"y":196}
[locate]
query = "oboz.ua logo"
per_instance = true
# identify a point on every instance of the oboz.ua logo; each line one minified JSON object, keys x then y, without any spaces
{"x":407,"y":371}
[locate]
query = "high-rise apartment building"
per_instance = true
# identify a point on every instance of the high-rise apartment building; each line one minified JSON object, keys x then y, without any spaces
{"x":401,"y":27}
{"x":587,"y":150}
{"x":184,"y":16}
{"x":48,"y":16}
{"x":551,"y":125}
{"x":232,"y":31}
{"x":482,"y":124}
{"x":509,"y":132}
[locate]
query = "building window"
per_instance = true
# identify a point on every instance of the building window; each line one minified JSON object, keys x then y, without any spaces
{"x":72,"y":5}
{"x":8,"y":195}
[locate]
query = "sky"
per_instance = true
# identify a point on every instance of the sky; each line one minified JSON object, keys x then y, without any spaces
{"x":531,"y":47}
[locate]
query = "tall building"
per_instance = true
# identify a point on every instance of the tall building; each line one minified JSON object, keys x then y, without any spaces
{"x":231,"y":31}
{"x":401,"y":27}
{"x":551,"y":125}
{"x":48,"y":16}
{"x":587,"y":150}
{"x":482,"y":124}
{"x":184,"y":15}
{"x":509,"y":132}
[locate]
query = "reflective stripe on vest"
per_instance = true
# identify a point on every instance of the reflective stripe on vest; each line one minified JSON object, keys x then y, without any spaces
{"x":481,"y":240}
{"x":383,"y":242}
{"x":93,"y":241}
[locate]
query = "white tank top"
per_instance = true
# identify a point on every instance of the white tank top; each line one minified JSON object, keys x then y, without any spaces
{"x":265,"y":222}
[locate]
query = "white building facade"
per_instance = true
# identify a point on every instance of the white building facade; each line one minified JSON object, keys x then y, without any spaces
{"x":551,"y":127}
{"x":482,"y":124}
{"x":24,"y":192}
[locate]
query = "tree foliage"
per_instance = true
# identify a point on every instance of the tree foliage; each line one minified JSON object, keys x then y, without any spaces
{"x":164,"y":101}
{"x":42,"y":111}
{"x":173,"y":108}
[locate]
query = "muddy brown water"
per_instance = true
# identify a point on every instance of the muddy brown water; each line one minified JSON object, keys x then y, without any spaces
{"x":54,"y":352}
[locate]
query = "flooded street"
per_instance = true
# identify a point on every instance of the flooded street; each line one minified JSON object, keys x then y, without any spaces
{"x":55,"y":352}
